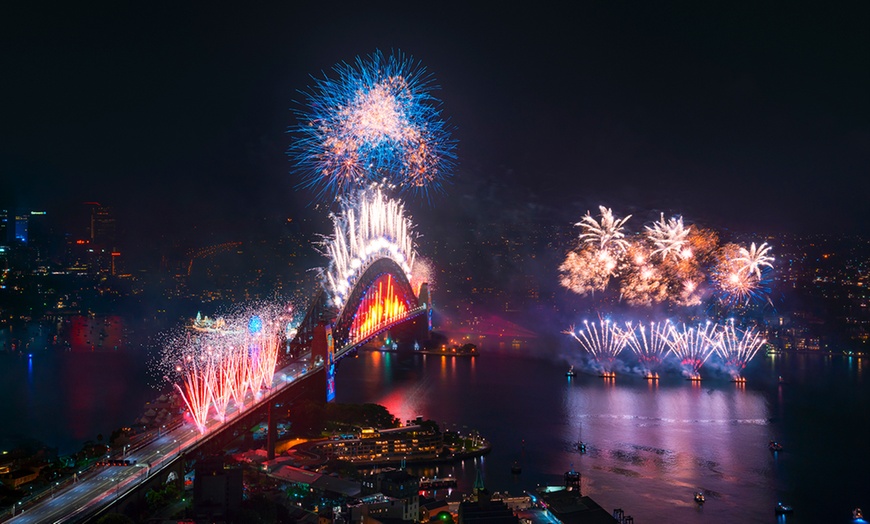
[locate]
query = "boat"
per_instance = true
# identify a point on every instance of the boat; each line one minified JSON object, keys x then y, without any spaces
{"x":581,"y":446}
{"x":774,"y":446}
{"x":857,"y":514}
{"x":571,"y":372}
{"x":608,"y":374}
{"x":699,"y":498}
{"x":782,"y":509}
{"x":516,"y":469}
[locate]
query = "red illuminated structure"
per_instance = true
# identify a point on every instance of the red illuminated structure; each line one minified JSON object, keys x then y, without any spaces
{"x":382,"y":305}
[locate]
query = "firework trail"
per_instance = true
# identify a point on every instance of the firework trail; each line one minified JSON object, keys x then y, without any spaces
{"x":370,"y":226}
{"x":376,"y":121}
{"x":693,"y":346}
{"x":603,"y":340}
{"x":219,"y":365}
{"x":195,"y":390}
{"x":737,"y":348}
{"x":650,"y":343}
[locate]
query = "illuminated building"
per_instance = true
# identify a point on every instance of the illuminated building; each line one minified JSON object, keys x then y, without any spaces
{"x":392,"y":494}
{"x":387,"y":445}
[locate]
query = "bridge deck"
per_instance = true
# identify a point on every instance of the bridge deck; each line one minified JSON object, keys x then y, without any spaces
{"x":95,"y":490}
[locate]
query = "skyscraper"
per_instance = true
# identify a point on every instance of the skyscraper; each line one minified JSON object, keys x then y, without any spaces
{"x":103,"y":232}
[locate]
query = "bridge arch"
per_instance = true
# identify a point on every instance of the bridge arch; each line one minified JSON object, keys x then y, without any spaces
{"x":363,"y":314}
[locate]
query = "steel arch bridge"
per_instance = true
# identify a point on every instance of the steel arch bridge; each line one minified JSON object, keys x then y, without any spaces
{"x":381,"y":299}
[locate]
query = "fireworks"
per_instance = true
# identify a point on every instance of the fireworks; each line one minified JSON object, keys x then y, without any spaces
{"x":218,"y":367}
{"x":587,"y":270}
{"x":737,"y":348}
{"x":693,"y":346}
{"x":754,"y":259}
{"x":606,"y":234}
{"x":669,"y":262}
{"x":376,"y":121}
{"x":603,"y":340}
{"x":651,"y":344}
{"x":738,"y":274}
{"x":670,"y":238}
{"x":370,"y":227}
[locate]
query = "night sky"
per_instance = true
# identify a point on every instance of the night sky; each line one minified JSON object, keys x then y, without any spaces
{"x":755,"y":118}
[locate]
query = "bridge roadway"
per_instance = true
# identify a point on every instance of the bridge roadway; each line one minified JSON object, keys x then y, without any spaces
{"x":78,"y":499}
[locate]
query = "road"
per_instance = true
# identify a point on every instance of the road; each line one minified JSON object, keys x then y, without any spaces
{"x":96,"y":488}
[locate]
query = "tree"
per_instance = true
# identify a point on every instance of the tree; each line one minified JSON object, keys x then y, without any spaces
{"x":115,"y":518}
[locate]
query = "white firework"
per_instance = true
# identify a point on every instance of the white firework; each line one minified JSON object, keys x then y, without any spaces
{"x":370,"y":227}
{"x":670,"y":238}
{"x":606,"y":234}
{"x":752,"y":260}
{"x":736,"y":347}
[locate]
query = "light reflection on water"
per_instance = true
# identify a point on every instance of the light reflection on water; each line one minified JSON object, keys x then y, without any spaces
{"x":651,"y":445}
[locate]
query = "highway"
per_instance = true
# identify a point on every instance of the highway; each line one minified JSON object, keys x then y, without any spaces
{"x":75,"y":500}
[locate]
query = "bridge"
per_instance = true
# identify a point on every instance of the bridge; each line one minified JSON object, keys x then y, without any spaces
{"x":369,"y":292}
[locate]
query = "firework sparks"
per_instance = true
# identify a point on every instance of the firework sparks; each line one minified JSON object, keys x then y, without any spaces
{"x":753,"y":260}
{"x":217,"y":367}
{"x":693,"y":346}
{"x":378,"y":120}
{"x":603,"y":340}
{"x":650,"y":343}
{"x":371,"y":226}
{"x":605,"y":234}
{"x":587,"y":270}
{"x":643,"y":282}
{"x":737,"y":348}
{"x":670,"y":238}
{"x":740,"y":281}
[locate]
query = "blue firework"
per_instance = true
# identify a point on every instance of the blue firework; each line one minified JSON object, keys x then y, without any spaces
{"x":375,"y":121}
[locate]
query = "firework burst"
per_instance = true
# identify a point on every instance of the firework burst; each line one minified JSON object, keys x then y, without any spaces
{"x":668,"y":262}
{"x":376,"y":121}
{"x":741,"y":276}
{"x":606,"y":234}
{"x":754,"y":260}
{"x":670,"y":238}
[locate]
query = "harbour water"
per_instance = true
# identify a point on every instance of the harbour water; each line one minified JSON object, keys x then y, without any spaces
{"x":650,"y":445}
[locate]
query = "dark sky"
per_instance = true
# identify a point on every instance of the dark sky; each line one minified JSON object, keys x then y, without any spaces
{"x":752,"y":117}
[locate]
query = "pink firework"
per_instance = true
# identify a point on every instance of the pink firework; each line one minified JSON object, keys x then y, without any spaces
{"x":693,"y":346}
{"x":737,"y":347}
{"x":651,"y":343}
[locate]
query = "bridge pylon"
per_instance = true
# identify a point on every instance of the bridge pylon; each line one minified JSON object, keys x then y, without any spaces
{"x":323,"y":349}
